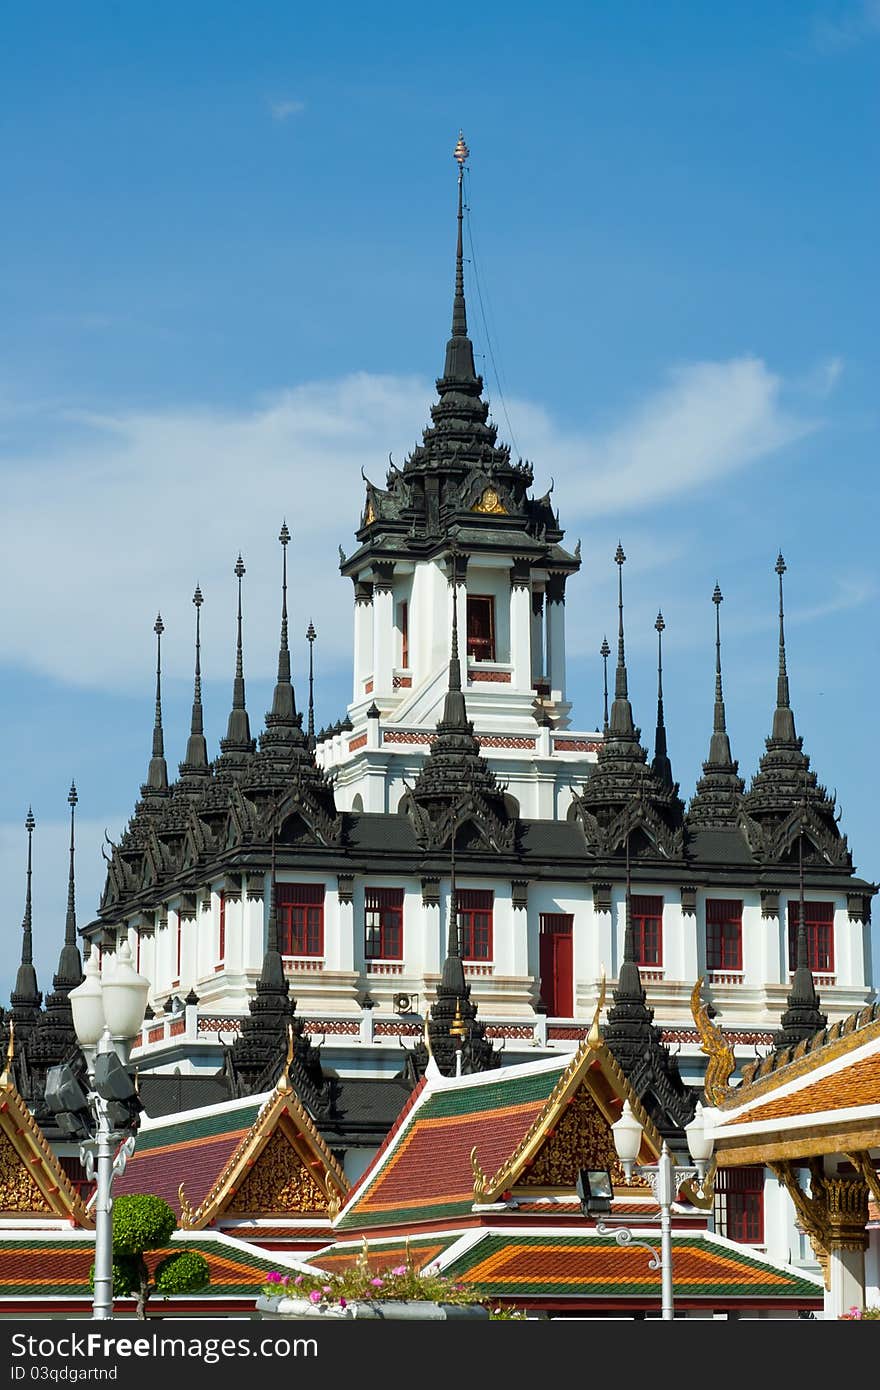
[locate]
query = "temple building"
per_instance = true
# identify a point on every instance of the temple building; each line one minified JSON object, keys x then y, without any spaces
{"x":454,"y":867}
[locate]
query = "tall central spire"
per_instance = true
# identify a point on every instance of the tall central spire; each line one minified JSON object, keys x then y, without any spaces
{"x":621,"y":710}
{"x":157,"y":776}
{"x":238,"y":741}
{"x":459,"y":349}
{"x":783,"y":719}
{"x":195,"y":764}
{"x":283,"y":702}
{"x":26,"y":996}
{"x":719,"y":791}
{"x":661,"y":764}
{"x":69,"y":971}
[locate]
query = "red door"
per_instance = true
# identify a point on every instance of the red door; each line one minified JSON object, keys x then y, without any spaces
{"x":557,"y":964}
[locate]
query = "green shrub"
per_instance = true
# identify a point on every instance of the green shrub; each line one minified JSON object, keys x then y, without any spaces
{"x":141,"y":1222}
{"x":184,"y":1272}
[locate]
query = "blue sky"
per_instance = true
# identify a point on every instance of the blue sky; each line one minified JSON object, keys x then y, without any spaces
{"x":225,"y":284}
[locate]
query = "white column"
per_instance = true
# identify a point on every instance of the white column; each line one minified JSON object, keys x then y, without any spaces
{"x":847,"y":1270}
{"x":520,"y":631}
{"x":556,"y":633}
{"x":344,"y":944}
{"x":383,"y":630}
{"x":363,"y":638}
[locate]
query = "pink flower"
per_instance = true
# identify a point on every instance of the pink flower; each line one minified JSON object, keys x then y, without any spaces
{"x":273,"y":1277}
{"x":298,"y":1279}
{"x":343,"y":1302}
{"x":315,"y":1296}
{"x":377,"y":1283}
{"x":401,"y":1269}
{"x":327,"y":1288}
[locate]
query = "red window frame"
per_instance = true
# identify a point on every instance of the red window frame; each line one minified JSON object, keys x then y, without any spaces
{"x":404,"y":635}
{"x":299,"y":912}
{"x":739,"y":1204}
{"x":724,"y":934}
{"x":383,"y":923}
{"x":819,"y":918}
{"x":221,"y":934}
{"x":646,"y":915}
{"x":475,"y":914}
{"x":481,"y":627}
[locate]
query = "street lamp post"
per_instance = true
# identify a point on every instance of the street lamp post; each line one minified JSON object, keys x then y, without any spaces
{"x":665,"y":1180}
{"x":108,"y":1010}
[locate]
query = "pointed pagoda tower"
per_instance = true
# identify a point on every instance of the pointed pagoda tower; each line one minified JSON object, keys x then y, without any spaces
{"x":237,"y":748}
{"x":195,"y":770}
{"x":661,"y":766}
{"x":455,"y":781}
{"x":624,"y":790}
{"x":26,"y":997}
{"x":636,"y":1042}
{"x":458,"y":488}
{"x":784,"y":792}
{"x":156,"y":789}
{"x":54,"y":1039}
{"x":718,"y":797}
{"x":802,"y":1018}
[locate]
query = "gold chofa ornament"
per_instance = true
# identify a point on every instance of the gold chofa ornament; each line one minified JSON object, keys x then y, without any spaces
{"x":491,"y":503}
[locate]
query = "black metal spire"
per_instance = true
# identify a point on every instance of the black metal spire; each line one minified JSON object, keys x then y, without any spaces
{"x":311,"y":634}
{"x":283,"y":702}
{"x":459,"y":349}
{"x":70,"y":973}
{"x":157,"y":776}
{"x":783,"y":719}
{"x":718,"y":795}
{"x":26,"y":997}
{"x":238,"y":741}
{"x":621,"y":710}
{"x":196,"y":761}
{"x":661,"y":764}
{"x":605,"y":652}
{"x":803,"y":1018}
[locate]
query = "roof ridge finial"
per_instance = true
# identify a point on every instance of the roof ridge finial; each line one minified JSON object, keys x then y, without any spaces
{"x":605,"y":652}
{"x":70,"y":921}
{"x":157,"y":776}
{"x":783,"y":719}
{"x":621,"y":711}
{"x":238,"y":730}
{"x":661,"y":764}
{"x":311,"y":634}
{"x":459,"y":311}
{"x":720,"y":723}
{"x":197,"y":749}
{"x":27,"y":945}
{"x":283,"y":701}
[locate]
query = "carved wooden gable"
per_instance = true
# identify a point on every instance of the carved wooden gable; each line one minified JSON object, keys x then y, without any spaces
{"x":19,"y":1192}
{"x":279,"y":1183}
{"x":580,"y":1138}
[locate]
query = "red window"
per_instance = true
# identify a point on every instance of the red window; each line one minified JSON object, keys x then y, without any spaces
{"x":739,"y":1204}
{"x":221,"y":939}
{"x":647,"y":922}
{"x":557,"y":982}
{"x":481,"y":627}
{"x":299,"y":909}
{"x":404,"y":635}
{"x":724,"y":949}
{"x":475,"y":923}
{"x":819,"y":919}
{"x":383,"y":923}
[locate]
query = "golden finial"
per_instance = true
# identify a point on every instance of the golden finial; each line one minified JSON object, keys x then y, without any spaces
{"x":426,"y":1035}
{"x":284,"y":1083}
{"x":461,"y":152}
{"x":593,"y":1035}
{"x":187,"y":1211}
{"x":6,"y":1078}
{"x":716,"y":1082}
{"x":479,"y":1178}
{"x":458,"y":1027}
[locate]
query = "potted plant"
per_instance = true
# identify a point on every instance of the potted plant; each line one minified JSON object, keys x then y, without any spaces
{"x":361,"y":1291}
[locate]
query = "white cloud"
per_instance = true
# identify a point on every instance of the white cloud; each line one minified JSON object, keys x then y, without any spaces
{"x":135,"y":507}
{"x":283,"y":110}
{"x":850,"y":27}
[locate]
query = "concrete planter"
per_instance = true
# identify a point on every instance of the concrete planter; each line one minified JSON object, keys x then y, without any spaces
{"x":378,"y":1309}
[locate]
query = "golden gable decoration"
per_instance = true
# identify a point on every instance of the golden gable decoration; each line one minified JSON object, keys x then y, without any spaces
{"x":279,"y":1182}
{"x":490,"y":503}
{"x":581,"y":1139}
{"x":18,"y":1191}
